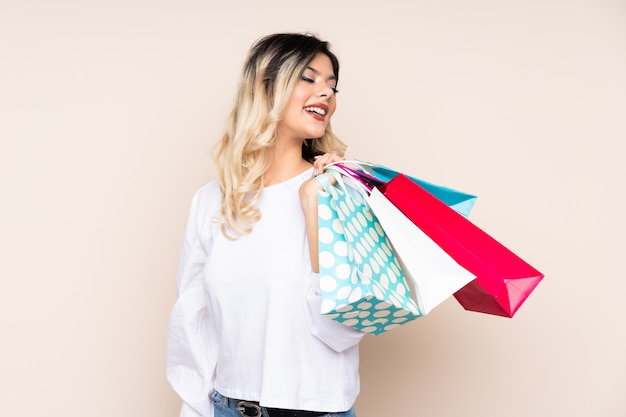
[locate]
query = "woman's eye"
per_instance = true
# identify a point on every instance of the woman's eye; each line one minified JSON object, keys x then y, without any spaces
{"x":311,"y":80}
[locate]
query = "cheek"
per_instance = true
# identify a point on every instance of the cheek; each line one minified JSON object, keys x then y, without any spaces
{"x":332,"y":106}
{"x":299,"y":95}
{"x":294,"y":105}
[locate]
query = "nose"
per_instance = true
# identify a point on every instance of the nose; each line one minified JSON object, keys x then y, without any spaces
{"x":326,"y":92}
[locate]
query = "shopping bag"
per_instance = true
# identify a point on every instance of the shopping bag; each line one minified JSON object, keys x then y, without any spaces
{"x":361,"y":282}
{"x":503,"y":280}
{"x":378,"y":175}
{"x":433,"y":275}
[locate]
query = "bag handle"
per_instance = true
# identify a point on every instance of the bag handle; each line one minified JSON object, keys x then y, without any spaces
{"x":345,"y":182}
{"x":363,"y":172}
{"x":327,"y":186}
{"x":349,"y":178}
{"x":325,"y":182}
{"x":362,"y":165}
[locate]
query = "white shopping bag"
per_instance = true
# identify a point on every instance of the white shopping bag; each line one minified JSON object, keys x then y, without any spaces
{"x":432,"y":275}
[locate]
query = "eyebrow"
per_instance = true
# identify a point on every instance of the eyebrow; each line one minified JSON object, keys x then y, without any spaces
{"x":331,"y":77}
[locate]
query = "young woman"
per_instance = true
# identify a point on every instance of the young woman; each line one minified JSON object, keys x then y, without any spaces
{"x":246,"y":337}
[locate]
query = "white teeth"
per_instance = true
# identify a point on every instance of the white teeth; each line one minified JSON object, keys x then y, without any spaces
{"x":316,"y":110}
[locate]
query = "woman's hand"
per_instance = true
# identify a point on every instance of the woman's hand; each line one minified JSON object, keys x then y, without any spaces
{"x":308,"y":190}
{"x":322,"y":160}
{"x":308,"y":200}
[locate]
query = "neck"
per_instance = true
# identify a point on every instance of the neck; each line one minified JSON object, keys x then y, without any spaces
{"x":286,"y":163}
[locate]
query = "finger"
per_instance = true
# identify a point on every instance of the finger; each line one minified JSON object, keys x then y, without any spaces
{"x":318,"y":166}
{"x":321,"y":161}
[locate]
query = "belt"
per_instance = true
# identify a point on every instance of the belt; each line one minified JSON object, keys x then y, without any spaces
{"x":253,"y":409}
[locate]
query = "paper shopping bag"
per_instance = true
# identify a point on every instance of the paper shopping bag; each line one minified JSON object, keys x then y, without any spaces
{"x":361,"y":282}
{"x":503,"y":280}
{"x":433,"y":275}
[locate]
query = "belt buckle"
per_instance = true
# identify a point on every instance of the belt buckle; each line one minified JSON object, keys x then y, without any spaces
{"x":244,"y":406}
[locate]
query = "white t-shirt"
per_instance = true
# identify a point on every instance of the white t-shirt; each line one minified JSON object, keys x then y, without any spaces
{"x":247,"y":321}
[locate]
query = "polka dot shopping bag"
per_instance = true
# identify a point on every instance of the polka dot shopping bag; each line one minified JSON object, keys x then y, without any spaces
{"x":361,"y":282}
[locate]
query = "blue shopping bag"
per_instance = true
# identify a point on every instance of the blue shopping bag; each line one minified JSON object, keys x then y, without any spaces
{"x":378,"y":174}
{"x":361,"y":282}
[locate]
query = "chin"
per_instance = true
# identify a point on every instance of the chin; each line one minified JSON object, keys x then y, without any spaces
{"x":316,"y":134}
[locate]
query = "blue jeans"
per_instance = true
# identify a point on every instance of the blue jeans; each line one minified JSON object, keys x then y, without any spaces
{"x":225,"y":408}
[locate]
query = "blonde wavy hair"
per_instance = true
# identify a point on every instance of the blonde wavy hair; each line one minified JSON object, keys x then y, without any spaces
{"x":274,"y":65}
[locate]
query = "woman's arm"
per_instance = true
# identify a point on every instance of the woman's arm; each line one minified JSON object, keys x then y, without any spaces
{"x":334,"y":334}
{"x":190,"y":354}
{"x":308,"y":200}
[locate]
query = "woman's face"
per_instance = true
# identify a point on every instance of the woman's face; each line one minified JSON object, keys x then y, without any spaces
{"x":312,"y":102}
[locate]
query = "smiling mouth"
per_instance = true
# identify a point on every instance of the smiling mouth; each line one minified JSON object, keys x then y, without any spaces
{"x":316,"y":110}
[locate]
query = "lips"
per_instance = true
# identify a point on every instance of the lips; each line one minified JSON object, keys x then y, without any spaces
{"x":318,"y":110}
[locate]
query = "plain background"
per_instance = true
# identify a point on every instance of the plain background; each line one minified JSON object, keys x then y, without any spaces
{"x":108,"y":112}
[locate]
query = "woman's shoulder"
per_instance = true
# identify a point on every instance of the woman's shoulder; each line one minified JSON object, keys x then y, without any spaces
{"x":208,"y":198}
{"x":209,"y":190}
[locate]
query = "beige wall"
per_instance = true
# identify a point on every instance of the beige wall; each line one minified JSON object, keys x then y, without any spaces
{"x":107,"y":112}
